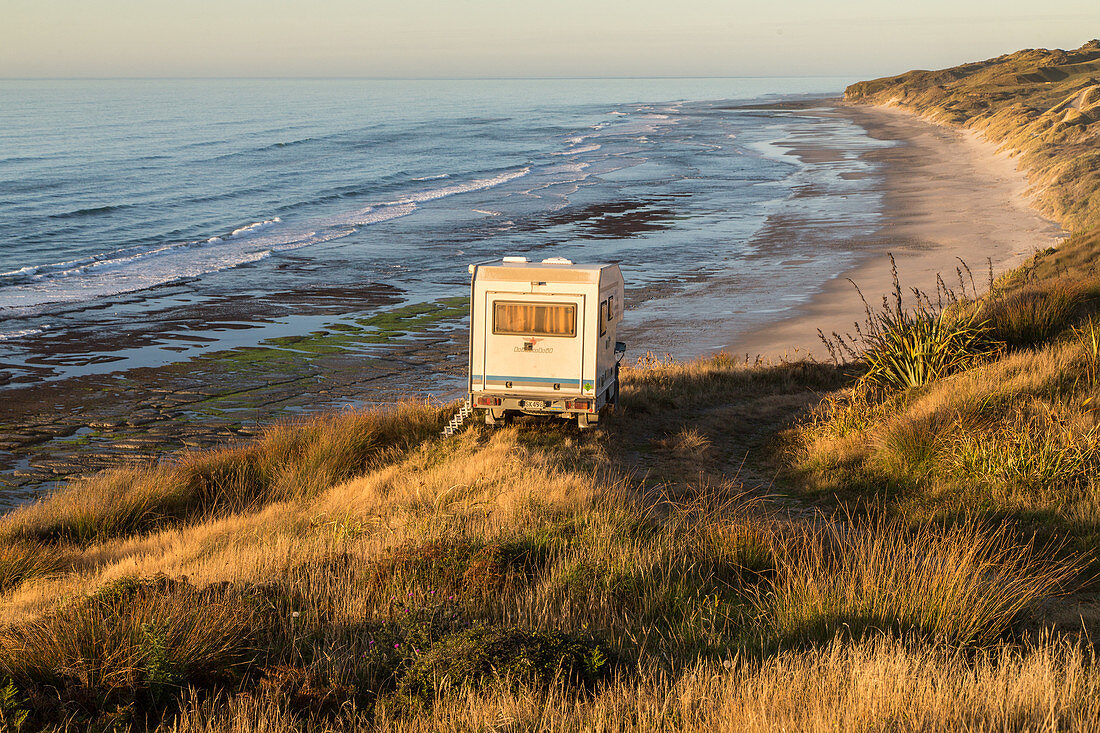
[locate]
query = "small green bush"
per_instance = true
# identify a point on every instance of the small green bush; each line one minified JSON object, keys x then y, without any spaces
{"x":911,"y":348}
{"x":481,"y":655}
{"x":905,"y":347}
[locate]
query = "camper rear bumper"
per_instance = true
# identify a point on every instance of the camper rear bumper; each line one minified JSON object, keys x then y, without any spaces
{"x":541,"y":405}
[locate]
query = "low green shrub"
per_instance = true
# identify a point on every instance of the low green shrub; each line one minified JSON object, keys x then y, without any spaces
{"x":910,"y":348}
{"x":484,"y":654}
{"x":905,"y":347}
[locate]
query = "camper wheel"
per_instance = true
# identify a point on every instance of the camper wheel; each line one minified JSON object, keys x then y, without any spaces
{"x":497,"y":419}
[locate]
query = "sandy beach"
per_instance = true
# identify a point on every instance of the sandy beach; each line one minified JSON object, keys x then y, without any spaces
{"x":948,"y":195}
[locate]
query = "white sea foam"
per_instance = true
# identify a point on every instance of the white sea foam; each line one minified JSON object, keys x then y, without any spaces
{"x":432,"y":178}
{"x":568,"y":168}
{"x":369,"y":215}
{"x":254,"y":226}
{"x":579,"y":149}
{"x":21,"y":333}
{"x":478,"y":184}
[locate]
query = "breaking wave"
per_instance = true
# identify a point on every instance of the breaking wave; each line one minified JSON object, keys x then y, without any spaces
{"x":131,"y":269}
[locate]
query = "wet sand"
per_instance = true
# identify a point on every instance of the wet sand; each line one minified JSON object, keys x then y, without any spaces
{"x":948,"y":196}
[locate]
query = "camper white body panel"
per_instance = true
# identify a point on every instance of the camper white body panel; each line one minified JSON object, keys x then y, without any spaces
{"x":542,"y":336}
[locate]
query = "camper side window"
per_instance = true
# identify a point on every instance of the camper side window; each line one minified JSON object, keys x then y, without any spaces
{"x":603,"y":318}
{"x":534,"y":319}
{"x":611,"y":308}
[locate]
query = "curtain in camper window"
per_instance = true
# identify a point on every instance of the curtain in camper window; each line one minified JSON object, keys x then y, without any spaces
{"x":535,"y":319}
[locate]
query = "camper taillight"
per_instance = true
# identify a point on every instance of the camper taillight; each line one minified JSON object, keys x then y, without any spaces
{"x":488,"y":401}
{"x":579,"y":405}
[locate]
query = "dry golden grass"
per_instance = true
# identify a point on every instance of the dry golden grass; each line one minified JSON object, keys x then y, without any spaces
{"x":129,"y":634}
{"x":289,"y":461}
{"x":408,"y":590}
{"x":868,"y":686}
{"x":20,"y":561}
{"x":964,"y":584}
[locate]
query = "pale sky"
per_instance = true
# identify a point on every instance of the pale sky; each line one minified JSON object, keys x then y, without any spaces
{"x":520,"y":38}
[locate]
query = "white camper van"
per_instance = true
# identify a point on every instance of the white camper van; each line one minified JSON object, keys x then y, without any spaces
{"x":542,"y":338}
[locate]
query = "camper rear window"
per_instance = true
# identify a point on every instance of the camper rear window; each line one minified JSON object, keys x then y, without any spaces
{"x":535,"y":319}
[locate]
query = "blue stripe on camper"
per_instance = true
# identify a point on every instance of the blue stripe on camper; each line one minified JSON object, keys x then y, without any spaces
{"x":537,"y":380}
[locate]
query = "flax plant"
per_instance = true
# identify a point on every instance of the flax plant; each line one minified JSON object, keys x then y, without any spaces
{"x":903,"y":348}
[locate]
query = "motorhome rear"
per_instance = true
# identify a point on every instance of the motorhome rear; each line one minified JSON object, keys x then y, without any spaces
{"x":542,"y":338}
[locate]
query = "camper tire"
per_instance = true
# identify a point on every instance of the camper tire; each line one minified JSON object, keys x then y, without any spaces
{"x":498,"y":420}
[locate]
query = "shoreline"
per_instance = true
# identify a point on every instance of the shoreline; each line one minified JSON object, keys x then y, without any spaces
{"x":947,"y":195}
{"x":51,"y":431}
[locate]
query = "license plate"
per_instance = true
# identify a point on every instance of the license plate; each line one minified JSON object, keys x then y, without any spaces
{"x":535,"y":404}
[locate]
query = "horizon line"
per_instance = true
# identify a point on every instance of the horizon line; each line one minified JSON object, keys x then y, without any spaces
{"x":411,"y":78}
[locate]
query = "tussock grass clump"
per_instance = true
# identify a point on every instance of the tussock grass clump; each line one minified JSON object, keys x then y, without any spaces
{"x":687,"y":443}
{"x":288,"y":461}
{"x":473,"y":658}
{"x":20,"y":561}
{"x":462,"y":566}
{"x":132,"y":643}
{"x":1032,"y":314}
{"x":965,"y":584}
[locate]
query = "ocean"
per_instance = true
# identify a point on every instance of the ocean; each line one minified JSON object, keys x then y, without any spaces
{"x":126,"y":202}
{"x":183,"y":262}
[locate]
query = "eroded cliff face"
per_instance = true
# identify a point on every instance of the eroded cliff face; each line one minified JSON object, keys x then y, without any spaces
{"x":1040,"y":104}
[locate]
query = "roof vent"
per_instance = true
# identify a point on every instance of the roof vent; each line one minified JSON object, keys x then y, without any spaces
{"x":515,"y":260}
{"x":557,"y":261}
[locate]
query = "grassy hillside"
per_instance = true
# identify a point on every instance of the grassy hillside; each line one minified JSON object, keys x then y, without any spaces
{"x":902,"y":540}
{"x":358,"y":572}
